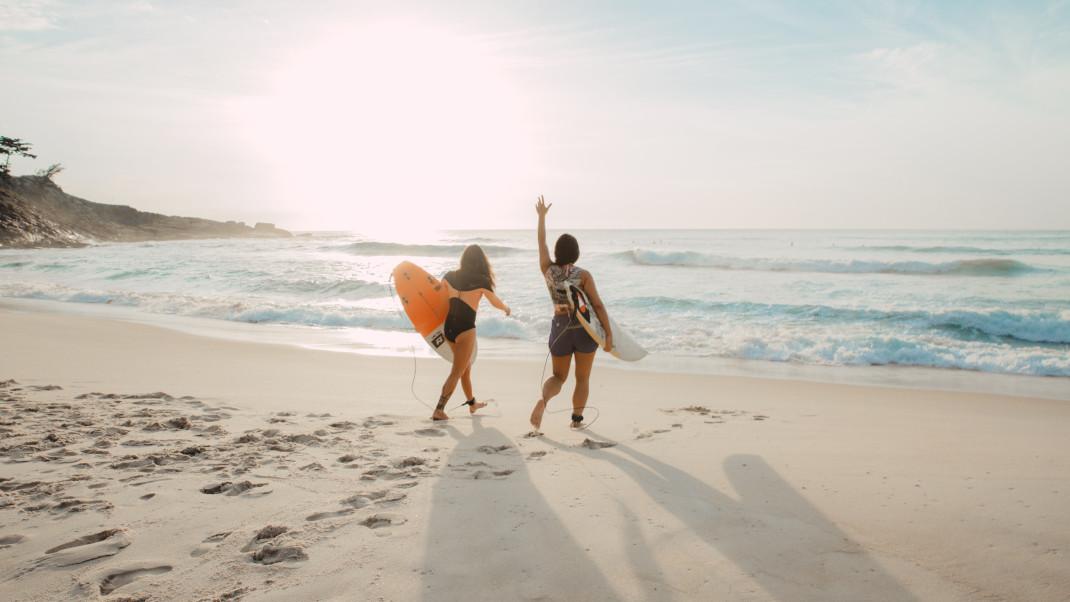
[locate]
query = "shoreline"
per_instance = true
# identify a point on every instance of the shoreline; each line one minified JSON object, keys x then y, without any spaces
{"x":687,"y":487}
{"x":408,"y":346}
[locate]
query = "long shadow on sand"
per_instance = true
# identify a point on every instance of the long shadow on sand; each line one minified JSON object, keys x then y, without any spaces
{"x":493,"y":536}
{"x":769,"y":531}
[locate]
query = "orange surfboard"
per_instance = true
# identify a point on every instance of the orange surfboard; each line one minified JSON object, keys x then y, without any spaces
{"x":426,"y":303}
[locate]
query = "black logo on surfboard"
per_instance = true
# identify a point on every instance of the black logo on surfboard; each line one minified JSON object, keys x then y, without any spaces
{"x":437,"y":340}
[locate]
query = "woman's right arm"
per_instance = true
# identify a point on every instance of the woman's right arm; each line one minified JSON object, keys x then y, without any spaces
{"x":496,"y":301}
{"x":544,"y":252}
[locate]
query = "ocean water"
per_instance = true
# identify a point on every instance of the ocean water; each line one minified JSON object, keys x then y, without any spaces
{"x":995,"y":302}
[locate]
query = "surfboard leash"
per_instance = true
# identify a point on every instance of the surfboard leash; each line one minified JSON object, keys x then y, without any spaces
{"x":412,"y":348}
{"x":542,"y":381}
{"x":415,"y":363}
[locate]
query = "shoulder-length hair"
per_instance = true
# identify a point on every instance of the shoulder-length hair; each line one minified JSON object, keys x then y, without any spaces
{"x":566,"y":250}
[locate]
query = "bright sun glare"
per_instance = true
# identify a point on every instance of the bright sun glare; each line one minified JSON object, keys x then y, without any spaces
{"x":390,"y":126}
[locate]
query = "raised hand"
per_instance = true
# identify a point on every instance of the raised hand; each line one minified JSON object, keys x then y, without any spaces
{"x":541,"y":207}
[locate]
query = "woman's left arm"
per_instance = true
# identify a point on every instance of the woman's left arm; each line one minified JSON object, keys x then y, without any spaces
{"x":589,"y":289}
{"x":496,"y":302}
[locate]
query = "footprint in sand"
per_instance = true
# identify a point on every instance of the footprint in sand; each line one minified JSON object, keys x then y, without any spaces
{"x":493,"y":449}
{"x":335,"y":514}
{"x":375,"y":422}
{"x":266,"y":534}
{"x":592,"y":444}
{"x":85,"y":549}
{"x":68,"y":506}
{"x":491,"y":474}
{"x":383,"y":496}
{"x":211,"y":539}
{"x":10,"y":540}
{"x":404,"y":471}
{"x":228,"y":488}
{"x":271,"y":554}
{"x":648,"y":434}
{"x":360,"y":500}
{"x":116,"y":579}
{"x":480,"y":474}
{"x":378,"y":521}
{"x":430,"y":432}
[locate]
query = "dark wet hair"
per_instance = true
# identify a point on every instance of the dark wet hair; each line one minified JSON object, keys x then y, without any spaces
{"x":566,"y":250}
{"x":474,"y":264}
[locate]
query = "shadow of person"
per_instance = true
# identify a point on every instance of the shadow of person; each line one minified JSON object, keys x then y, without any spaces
{"x":492,"y":536}
{"x":772,"y":533}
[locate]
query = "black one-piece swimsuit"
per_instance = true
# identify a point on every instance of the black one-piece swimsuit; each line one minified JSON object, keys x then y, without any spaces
{"x":461,"y":317}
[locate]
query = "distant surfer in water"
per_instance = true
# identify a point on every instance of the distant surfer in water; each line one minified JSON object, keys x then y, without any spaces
{"x":570,"y":289}
{"x":466,"y":287}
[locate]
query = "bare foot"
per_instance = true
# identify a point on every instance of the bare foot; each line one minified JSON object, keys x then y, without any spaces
{"x":536,"y":414}
{"x":479,"y":405}
{"x":439,"y":415}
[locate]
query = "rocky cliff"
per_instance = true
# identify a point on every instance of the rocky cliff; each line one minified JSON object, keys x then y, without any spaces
{"x":35,"y":212}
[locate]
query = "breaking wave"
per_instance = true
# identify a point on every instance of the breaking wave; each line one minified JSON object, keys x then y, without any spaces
{"x":965,"y":267}
{"x":1045,"y":327}
{"x":966,"y":250}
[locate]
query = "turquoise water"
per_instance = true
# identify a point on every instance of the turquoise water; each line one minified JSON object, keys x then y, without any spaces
{"x":994,"y":302}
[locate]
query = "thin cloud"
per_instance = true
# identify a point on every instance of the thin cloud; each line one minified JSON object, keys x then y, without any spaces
{"x":27,"y":15}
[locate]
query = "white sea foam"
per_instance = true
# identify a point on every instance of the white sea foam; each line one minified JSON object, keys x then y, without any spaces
{"x":972,"y":301}
{"x":964,"y":267}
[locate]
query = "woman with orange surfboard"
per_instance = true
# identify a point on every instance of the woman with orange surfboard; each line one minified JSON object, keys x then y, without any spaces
{"x":466,"y":287}
{"x":570,"y":286}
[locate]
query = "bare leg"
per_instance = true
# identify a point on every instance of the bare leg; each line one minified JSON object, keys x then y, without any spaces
{"x":584,"y":364}
{"x":551,"y":387}
{"x":466,"y":386}
{"x":462,"y":352}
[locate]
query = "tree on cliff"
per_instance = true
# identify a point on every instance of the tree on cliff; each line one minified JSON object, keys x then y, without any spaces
{"x":51,"y":171}
{"x":16,"y":147}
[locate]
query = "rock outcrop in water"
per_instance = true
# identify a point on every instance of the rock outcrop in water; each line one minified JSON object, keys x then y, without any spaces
{"x":35,"y":212}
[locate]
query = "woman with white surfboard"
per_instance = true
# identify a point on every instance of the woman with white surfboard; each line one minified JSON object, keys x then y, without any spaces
{"x":571,"y":287}
{"x":466,"y":287}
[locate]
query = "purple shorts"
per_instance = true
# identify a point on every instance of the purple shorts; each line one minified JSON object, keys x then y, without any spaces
{"x":566,"y":339}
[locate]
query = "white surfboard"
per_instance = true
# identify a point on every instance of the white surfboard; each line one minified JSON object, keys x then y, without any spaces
{"x":436,"y":340}
{"x":624,"y":346}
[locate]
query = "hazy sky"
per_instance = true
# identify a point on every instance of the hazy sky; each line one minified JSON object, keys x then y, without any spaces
{"x":369,"y":115}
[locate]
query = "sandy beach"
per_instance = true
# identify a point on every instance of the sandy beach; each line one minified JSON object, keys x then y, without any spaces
{"x":140,"y":463}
